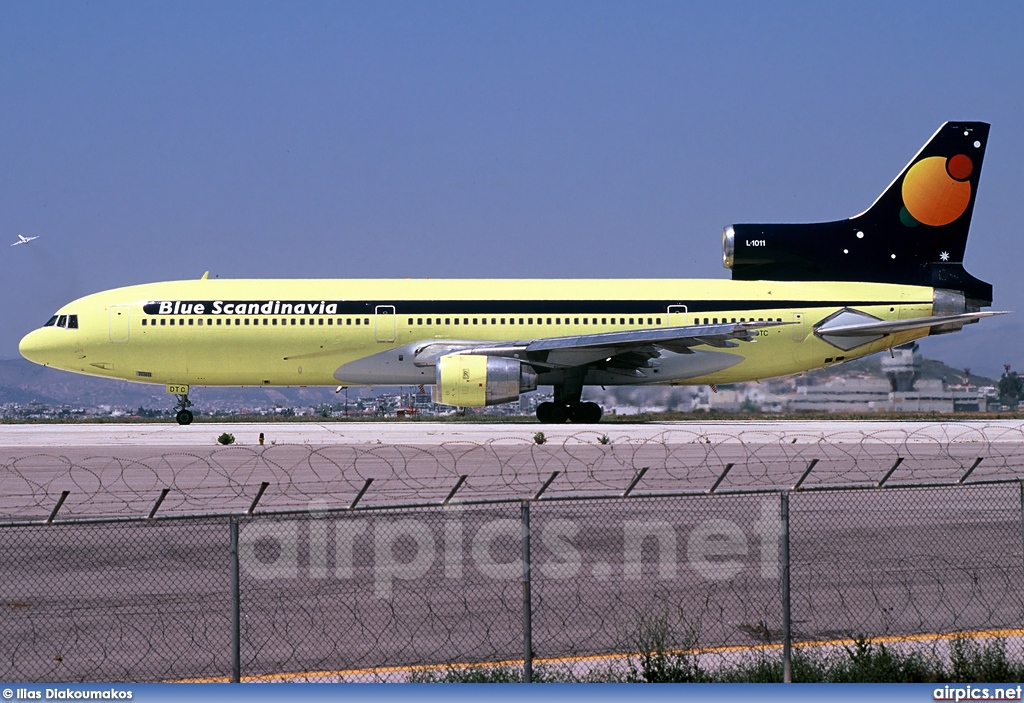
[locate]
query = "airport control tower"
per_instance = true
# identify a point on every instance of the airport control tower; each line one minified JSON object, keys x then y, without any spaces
{"x":902,"y":368}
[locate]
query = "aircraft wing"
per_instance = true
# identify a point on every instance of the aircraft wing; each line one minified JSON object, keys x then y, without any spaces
{"x":631,"y":349}
{"x":628,"y":349}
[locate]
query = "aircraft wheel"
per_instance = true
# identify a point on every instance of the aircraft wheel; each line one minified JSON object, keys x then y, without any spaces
{"x":585,"y":413}
{"x":592,"y":412}
{"x":184,"y":417}
{"x":559,"y":414}
{"x":550,"y":413}
{"x":544,"y":412}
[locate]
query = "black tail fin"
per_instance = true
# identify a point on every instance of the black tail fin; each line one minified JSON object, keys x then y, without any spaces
{"x":915,"y":233}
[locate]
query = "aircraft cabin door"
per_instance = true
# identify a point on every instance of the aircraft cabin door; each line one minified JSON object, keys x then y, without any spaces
{"x":384,"y":323}
{"x":119,"y":323}
{"x":673,"y":317}
{"x":798,"y":327}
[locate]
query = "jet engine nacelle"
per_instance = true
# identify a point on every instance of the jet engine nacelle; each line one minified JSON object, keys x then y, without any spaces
{"x":468,"y":380}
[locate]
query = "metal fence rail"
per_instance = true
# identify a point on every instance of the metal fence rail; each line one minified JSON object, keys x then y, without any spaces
{"x":358,"y":583}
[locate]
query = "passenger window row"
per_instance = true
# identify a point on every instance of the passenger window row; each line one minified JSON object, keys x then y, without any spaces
{"x":255,"y":322}
{"x":714,"y":320}
{"x":422,"y":322}
{"x":71,"y":321}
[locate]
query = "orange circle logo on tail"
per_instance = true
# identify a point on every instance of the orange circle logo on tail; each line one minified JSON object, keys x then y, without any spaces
{"x":936,"y":190}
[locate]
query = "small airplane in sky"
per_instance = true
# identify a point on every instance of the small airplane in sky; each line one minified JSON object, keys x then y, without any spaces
{"x":22,"y":239}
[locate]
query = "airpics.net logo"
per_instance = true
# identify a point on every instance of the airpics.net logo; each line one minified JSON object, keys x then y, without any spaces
{"x":977,"y":693}
{"x":460,"y":545}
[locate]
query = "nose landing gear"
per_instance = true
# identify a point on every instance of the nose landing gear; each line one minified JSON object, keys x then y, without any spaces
{"x":184,"y":416}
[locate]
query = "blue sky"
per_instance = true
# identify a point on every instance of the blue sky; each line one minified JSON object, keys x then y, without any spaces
{"x":154,"y":141}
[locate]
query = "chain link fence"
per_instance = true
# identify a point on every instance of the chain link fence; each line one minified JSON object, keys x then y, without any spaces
{"x":120,"y":601}
{"x":444,"y":575}
{"x":902,"y":562}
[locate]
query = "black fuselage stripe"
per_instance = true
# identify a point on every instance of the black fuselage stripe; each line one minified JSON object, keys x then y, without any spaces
{"x":517,"y":307}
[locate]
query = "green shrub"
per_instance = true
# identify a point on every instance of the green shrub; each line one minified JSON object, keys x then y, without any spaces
{"x":226,"y":439}
{"x":539,"y":438}
{"x":661,"y":658}
{"x":982,"y":663}
{"x":468,"y":674}
{"x":484,"y":673}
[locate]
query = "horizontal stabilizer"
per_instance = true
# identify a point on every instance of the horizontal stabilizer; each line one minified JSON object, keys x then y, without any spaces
{"x":849,"y":329}
{"x":891,"y":326}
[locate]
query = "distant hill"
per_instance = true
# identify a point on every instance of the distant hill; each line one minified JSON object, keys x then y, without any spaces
{"x":23,"y":382}
{"x":872,"y":366}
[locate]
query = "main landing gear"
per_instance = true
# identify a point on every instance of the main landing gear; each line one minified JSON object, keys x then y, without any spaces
{"x":566,"y":405}
{"x":184,"y":416}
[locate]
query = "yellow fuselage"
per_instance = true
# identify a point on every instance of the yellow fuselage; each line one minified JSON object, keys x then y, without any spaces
{"x":299,"y":332}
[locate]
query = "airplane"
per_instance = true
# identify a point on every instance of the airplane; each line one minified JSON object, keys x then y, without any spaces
{"x":24,"y":240}
{"x":801,"y":296}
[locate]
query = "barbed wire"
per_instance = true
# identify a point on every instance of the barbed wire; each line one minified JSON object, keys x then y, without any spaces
{"x":123,"y":481}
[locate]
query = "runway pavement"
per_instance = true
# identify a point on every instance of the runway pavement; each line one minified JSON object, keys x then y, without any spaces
{"x":432,"y":433}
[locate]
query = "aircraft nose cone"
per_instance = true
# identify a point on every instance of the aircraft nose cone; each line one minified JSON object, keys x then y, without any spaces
{"x":33,"y":347}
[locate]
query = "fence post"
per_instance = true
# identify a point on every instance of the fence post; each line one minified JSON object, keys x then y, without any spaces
{"x":236,"y":624}
{"x":787,"y":633}
{"x":527,"y":601}
{"x":1021,"y":484}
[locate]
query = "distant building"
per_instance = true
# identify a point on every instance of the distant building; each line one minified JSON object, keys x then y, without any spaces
{"x":842,"y":395}
{"x":900,"y":390}
{"x":860,"y":395}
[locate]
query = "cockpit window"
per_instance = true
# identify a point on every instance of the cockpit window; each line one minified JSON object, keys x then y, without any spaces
{"x":69,"y":322}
